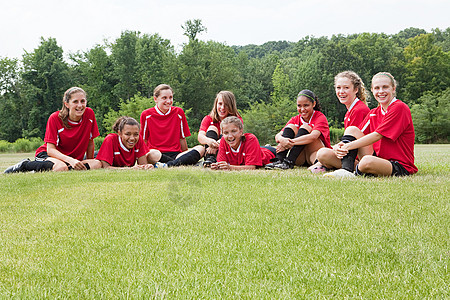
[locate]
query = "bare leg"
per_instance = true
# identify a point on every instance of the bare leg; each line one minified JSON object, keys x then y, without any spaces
{"x":153,"y":156}
{"x":375,"y":165}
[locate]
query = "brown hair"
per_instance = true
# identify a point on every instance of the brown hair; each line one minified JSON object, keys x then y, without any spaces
{"x":122,"y":121}
{"x":229,"y":100}
{"x":64,"y":112}
{"x":357,"y":84}
{"x":159,"y":88}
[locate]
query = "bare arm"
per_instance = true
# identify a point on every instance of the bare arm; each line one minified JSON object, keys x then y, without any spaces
{"x":55,"y":153}
{"x":223,"y":165}
{"x":307,"y":138}
{"x":183,"y":145}
{"x":342,"y":148}
{"x":90,"y":150}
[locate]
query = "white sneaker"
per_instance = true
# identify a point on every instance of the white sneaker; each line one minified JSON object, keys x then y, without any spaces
{"x":340,"y":173}
{"x":160,"y":165}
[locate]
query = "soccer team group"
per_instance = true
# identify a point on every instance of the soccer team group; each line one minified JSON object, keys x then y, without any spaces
{"x":377,"y":142}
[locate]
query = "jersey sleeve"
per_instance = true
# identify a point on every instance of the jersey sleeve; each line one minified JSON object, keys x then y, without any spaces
{"x":184,"y":125}
{"x":106,"y":152}
{"x":253,"y":154}
{"x":221,"y":155}
{"x":51,"y":130}
{"x":206,"y":122}
{"x":94,"y":131}
{"x":395,"y":122}
{"x":364,"y":126}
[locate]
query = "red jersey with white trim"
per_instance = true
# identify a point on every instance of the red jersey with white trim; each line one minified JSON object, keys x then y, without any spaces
{"x":114,"y":152}
{"x":164,"y":131}
{"x":208,"y":121}
{"x":356,"y":113}
{"x":318,"y":122}
{"x":72,"y":141}
{"x":248,"y":153}
{"x":397,"y":129}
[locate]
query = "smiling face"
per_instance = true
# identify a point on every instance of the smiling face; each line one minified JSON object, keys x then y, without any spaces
{"x":222,"y":110}
{"x":383,"y":90}
{"x":232,"y":134}
{"x":345,"y":91}
{"x":305,"y":107}
{"x":164,"y":101}
{"x":76,"y":106}
{"x":129,"y":135}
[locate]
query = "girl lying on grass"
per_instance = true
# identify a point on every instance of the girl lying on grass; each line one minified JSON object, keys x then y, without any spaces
{"x":351,"y":92}
{"x":69,"y":137}
{"x":209,"y":133}
{"x":303,"y":135}
{"x":384,"y":141}
{"x":124,"y":148}
{"x":239,"y":150}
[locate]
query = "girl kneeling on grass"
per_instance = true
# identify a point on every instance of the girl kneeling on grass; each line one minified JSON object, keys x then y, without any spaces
{"x":303,"y":135}
{"x":239,"y":150}
{"x":164,"y":129}
{"x":124,"y":148}
{"x":209,"y":133}
{"x":351,"y":92}
{"x":385,"y":139}
{"x":69,"y":136}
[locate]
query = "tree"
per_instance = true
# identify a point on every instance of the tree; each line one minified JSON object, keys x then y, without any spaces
{"x":427,"y":66}
{"x":192,"y":28}
{"x":46,"y":77}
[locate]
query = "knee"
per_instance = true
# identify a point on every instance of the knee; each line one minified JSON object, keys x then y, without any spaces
{"x":94,"y":164}
{"x":60,"y":167}
{"x":366,"y":164}
{"x":153,"y":156}
{"x":353,"y":131}
{"x":324,"y":154}
{"x":200,"y":149}
{"x":306,"y":127}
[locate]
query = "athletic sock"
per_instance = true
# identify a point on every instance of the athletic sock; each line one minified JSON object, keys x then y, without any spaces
{"x":348,"y":161}
{"x":190,"y":158}
{"x":287,"y":133}
{"x":39,"y":166}
{"x":88,"y":167}
{"x":213,"y":135}
{"x":297,"y":149}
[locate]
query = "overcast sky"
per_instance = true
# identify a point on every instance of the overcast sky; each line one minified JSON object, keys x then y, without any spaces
{"x":79,"y":25}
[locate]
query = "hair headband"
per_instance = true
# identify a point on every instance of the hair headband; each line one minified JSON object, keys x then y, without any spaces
{"x":306,"y":95}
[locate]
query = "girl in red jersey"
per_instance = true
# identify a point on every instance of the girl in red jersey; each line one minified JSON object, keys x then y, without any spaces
{"x":239,"y":150}
{"x":124,"y":148}
{"x":69,"y":136}
{"x":351,"y":92}
{"x":209,"y":133}
{"x":303,"y":135}
{"x":387,"y":131}
{"x":164,"y":129}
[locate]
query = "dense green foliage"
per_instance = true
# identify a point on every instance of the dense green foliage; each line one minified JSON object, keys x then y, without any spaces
{"x":265,"y":78}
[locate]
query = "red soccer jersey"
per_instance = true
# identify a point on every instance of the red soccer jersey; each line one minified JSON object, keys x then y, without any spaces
{"x":164,"y":131}
{"x":356,"y":113}
{"x":114,"y":152}
{"x":397,"y":129}
{"x":248,"y":153}
{"x":318,"y":122}
{"x":208,"y":121}
{"x":72,"y":141}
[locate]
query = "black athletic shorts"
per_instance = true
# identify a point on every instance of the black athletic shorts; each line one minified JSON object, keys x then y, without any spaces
{"x":44,"y":155}
{"x":398,"y":169}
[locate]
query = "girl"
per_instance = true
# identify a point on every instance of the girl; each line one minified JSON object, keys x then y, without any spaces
{"x":164,"y":129}
{"x":68,"y":138}
{"x":209,"y":133}
{"x":351,"y":92}
{"x":387,"y":130}
{"x":123,"y":148}
{"x":239,"y":150}
{"x":303,"y":135}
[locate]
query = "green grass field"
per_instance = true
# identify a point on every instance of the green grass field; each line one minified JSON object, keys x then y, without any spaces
{"x":193,"y":233}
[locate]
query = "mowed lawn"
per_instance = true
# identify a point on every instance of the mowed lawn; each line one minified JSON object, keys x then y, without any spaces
{"x":191,"y":233}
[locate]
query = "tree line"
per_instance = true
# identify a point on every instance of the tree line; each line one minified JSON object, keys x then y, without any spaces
{"x":120,"y":76}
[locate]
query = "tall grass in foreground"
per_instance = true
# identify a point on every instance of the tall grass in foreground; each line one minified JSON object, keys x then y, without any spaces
{"x":191,"y":233}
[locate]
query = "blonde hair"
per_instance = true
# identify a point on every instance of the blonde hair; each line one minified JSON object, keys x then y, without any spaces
{"x":232,"y":120}
{"x":229,"y":100}
{"x":357,"y":84}
{"x":64,"y":112}
{"x":157,"y":91}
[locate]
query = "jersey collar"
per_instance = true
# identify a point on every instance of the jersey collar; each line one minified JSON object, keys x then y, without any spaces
{"x":382,"y":110}
{"x":353,"y":104}
{"x":161,"y":113}
{"x":238,"y":148}
{"x":122,"y":145}
{"x":304,"y":122}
